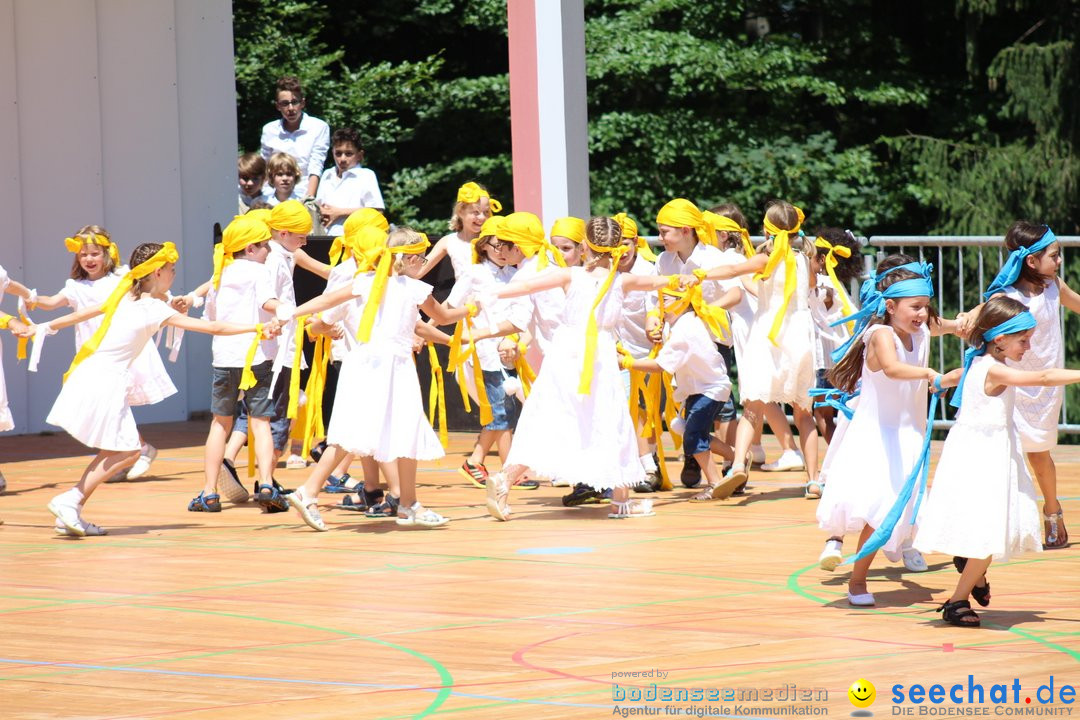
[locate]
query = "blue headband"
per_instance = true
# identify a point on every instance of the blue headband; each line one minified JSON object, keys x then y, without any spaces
{"x":873,"y":301}
{"x":1010,"y":270}
{"x":1018,"y":323}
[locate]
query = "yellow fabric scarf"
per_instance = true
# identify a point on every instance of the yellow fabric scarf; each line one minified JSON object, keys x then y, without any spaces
{"x":167,"y":254}
{"x":457,"y":362}
{"x":437,"y":395}
{"x":591,"y":331}
{"x":470,"y":192}
{"x":382,"y":276}
{"x":527,"y":232}
{"x":830,"y":267}
{"x":680,"y":212}
{"x":244,"y":230}
{"x":343,"y":246}
{"x":291,"y":216}
{"x":569,"y":227}
{"x":781,"y":250}
{"x":715,"y":318}
{"x":630,"y":230}
{"x":74,"y":244}
{"x":725,"y":224}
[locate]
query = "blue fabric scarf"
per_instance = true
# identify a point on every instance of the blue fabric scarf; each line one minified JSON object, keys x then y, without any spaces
{"x":1010,"y":270}
{"x":1018,"y":323}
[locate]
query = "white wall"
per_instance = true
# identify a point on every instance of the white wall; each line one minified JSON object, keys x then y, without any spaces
{"x":120,"y":113}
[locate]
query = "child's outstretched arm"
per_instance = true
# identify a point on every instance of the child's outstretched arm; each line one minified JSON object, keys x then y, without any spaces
{"x":50,"y":302}
{"x":945,"y":326}
{"x":215,"y":327}
{"x":442,"y":315}
{"x":76,"y":317}
{"x":730,"y":298}
{"x":1000,"y":374}
{"x":726,"y":272}
{"x":504,"y":328}
{"x":655,"y":282}
{"x":553,"y":278}
{"x":311,"y":264}
{"x":882,"y":352}
{"x":432,"y":334}
{"x":1069,"y":297}
{"x":325,"y":301}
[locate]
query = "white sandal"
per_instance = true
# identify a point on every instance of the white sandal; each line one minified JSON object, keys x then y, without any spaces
{"x":419,"y":516}
{"x":308,"y":509}
{"x":631,"y":509}
{"x":498,"y":491}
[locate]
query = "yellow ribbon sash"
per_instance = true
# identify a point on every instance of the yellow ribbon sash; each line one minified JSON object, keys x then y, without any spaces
{"x":437,"y":395}
{"x":781,"y":250}
{"x":457,"y":362}
{"x":591,"y":331}
{"x":830,"y":267}
{"x":382,"y":276}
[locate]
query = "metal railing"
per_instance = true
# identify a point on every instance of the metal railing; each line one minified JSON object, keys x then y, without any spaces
{"x":952,"y":257}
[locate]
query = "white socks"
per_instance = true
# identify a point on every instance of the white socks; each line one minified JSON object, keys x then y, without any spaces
{"x":648,"y":464}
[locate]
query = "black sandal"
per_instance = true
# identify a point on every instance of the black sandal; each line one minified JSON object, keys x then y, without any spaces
{"x":960,"y":614}
{"x":980,"y":593}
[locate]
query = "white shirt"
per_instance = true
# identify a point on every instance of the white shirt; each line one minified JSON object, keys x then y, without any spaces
{"x":631,"y":329}
{"x":299,"y":192}
{"x":245,"y":288}
{"x":308,"y":144}
{"x":487,"y":277}
{"x":280,"y":263}
{"x":704,"y":257}
{"x":691,"y":356}
{"x":356,"y":188}
{"x":546,"y":307}
{"x":90,"y":293}
{"x":347,"y":313}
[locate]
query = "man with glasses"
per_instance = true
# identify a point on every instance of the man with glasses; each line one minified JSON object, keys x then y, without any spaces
{"x":304,"y":137}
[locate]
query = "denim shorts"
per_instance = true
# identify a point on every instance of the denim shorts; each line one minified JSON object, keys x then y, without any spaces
{"x":505,"y":409}
{"x":278,"y":413}
{"x":225,"y":391}
{"x":700,"y":413}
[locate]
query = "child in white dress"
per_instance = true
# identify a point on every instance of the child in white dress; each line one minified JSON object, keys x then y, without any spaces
{"x":95,"y":273}
{"x":982,"y":506}
{"x":884,"y":439}
{"x":94,"y":404}
{"x":1030,"y":275}
{"x":389,"y":424}
{"x":575,"y":424}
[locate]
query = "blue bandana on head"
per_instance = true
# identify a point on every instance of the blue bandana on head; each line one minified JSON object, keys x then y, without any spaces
{"x":1018,"y":323}
{"x":1010,"y":270}
{"x":872,"y":301}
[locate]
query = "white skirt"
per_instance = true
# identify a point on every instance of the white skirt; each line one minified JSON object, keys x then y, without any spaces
{"x":92,"y":407}
{"x":378,"y":411}
{"x":150,"y":382}
{"x":784,"y":372}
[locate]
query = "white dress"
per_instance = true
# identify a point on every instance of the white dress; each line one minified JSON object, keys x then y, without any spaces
{"x":6,"y":421}
{"x":93,"y":405}
{"x":460,"y":252}
{"x":983,"y":501}
{"x":878,"y":448}
{"x":150,"y":383}
{"x":580,"y":438}
{"x":783,"y":372}
{"x":1037,"y":408}
{"x":377,"y":409}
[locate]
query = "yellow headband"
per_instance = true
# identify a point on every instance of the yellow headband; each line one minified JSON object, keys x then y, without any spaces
{"x":527,"y":232}
{"x":244,"y":230}
{"x":830,"y":267}
{"x":167,"y":254}
{"x":470,"y":192}
{"x":680,"y":212}
{"x":715,"y":318}
{"x":74,"y":244}
{"x":630,"y":230}
{"x":616,"y":252}
{"x":343,"y":246}
{"x":569,"y":227}
{"x":721,"y":223}
{"x":291,"y":216}
{"x":781,"y":250}
{"x":490,"y":228}
{"x":378,"y":286}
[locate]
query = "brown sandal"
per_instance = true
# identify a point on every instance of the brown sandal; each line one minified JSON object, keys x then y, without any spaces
{"x":1056,"y":534}
{"x":706,"y":495}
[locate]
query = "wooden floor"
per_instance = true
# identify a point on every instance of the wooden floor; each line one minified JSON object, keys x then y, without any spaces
{"x":240,"y":614}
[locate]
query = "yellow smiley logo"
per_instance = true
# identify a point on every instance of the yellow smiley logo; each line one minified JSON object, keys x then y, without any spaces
{"x":862,"y":693}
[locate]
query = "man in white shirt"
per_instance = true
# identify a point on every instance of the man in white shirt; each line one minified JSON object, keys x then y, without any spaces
{"x":304,"y":137}
{"x":346,"y":187}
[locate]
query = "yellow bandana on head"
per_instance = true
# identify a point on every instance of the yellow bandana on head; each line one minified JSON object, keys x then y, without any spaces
{"x":630,"y":230}
{"x":569,"y":227}
{"x":616,"y":252}
{"x":781,"y":250}
{"x":259,"y":214}
{"x":830,"y":267}
{"x":366,"y":246}
{"x":167,"y":254}
{"x":725,"y":224}
{"x":527,"y":232}
{"x":382,"y":275}
{"x":342,"y":247}
{"x":74,"y":244}
{"x":490,"y":228}
{"x":680,"y":212}
{"x":470,"y":192}
{"x":715,"y":318}
{"x":291,"y":216}
{"x":244,"y":230}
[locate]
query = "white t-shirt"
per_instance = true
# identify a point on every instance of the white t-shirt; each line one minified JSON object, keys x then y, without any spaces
{"x":487,"y":277}
{"x":280,"y":263}
{"x":631,"y":329}
{"x":546,"y":307}
{"x":356,"y":188}
{"x":90,"y":293}
{"x":245,"y":287}
{"x":308,"y":144}
{"x":690,"y":355}
{"x":299,"y":192}
{"x":348,"y":313}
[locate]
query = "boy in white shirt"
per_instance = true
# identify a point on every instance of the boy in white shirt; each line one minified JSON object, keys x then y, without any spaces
{"x":346,"y":187}
{"x":240,"y":292}
{"x":283,"y":174}
{"x":304,"y":137}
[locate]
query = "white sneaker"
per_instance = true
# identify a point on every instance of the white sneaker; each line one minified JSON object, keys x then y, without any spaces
{"x":757,"y":455}
{"x":91,"y":529}
{"x":295,"y":462}
{"x":559,"y":482}
{"x":68,"y":515}
{"x":788,"y":460}
{"x":831,"y":556}
{"x":149,"y":452}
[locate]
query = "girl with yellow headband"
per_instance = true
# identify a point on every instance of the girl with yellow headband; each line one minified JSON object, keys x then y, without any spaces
{"x":779,"y":357}
{"x":472,"y":207}
{"x":388,"y":423}
{"x":94,"y":404}
{"x":95,"y":272}
{"x":568,"y":237}
{"x":575,"y":424}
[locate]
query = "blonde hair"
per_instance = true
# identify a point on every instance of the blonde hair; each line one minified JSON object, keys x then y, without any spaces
{"x":86,"y":234}
{"x":282,"y":163}
{"x":139,"y":255}
{"x":603,"y":232}
{"x":782,"y":214}
{"x":401,"y":236}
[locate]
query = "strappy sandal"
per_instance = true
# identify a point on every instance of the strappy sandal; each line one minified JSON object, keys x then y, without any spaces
{"x":387,"y":508}
{"x":1056,"y":534}
{"x":706,"y":495}
{"x":345,"y":484}
{"x":960,"y":614}
{"x":309,"y":511}
{"x":498,"y":491}
{"x":205,"y":503}
{"x":363,"y":501}
{"x":631,"y":509}
{"x":813,"y":490}
{"x":980,"y":593}
{"x":271,"y":498}
{"x":420,"y":516}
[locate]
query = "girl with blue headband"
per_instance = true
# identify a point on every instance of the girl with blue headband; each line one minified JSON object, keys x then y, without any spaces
{"x":983,"y":502}
{"x":1030,"y":275}
{"x":884,"y":440}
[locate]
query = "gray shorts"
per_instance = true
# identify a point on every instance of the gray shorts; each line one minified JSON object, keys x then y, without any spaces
{"x":225,"y":393}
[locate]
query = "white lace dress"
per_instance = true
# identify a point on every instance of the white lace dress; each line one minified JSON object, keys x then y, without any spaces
{"x":983,"y":502}
{"x":783,"y":372}
{"x":1037,"y":408}
{"x":580,"y":438}
{"x":878,"y":449}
